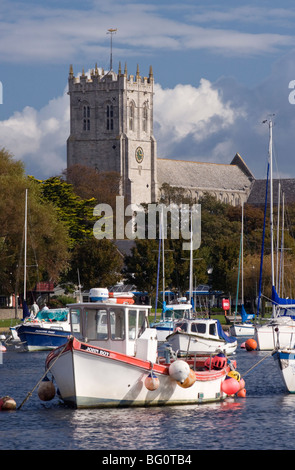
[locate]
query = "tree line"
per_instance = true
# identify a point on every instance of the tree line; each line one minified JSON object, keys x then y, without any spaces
{"x":61,"y":240}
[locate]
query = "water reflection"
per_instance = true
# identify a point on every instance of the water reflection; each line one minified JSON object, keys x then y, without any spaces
{"x":260,"y":421}
{"x":152,"y":428}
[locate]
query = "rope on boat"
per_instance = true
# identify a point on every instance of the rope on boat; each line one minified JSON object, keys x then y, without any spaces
{"x":261,"y":360}
{"x":45,"y":373}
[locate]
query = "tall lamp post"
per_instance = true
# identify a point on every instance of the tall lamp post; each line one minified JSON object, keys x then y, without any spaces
{"x":209,"y":272}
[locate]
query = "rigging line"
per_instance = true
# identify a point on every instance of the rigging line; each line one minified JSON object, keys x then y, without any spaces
{"x":70,"y":338}
{"x":285,"y":306}
{"x":259,"y":362}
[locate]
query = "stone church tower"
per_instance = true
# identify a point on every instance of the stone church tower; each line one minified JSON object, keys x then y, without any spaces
{"x":111,"y":129}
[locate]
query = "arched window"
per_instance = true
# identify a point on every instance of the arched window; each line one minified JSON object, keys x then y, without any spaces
{"x":131,"y":116}
{"x":110,"y":117}
{"x":145,"y":118}
{"x":86,"y":118}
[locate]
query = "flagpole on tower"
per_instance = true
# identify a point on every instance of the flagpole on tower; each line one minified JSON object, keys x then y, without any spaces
{"x":111,"y":31}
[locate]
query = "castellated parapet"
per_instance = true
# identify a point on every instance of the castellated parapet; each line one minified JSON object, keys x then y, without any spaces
{"x":111,"y":128}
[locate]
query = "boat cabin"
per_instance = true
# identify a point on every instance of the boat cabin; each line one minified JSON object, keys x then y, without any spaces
{"x":120,"y":328}
{"x":173,"y":312}
{"x":204,"y":327}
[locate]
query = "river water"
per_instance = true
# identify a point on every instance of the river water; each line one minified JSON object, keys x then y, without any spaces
{"x":264,"y":420}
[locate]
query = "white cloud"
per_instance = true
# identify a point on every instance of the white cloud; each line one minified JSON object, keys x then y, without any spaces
{"x":190,"y":112}
{"x":39,"y":137}
{"x":53,"y":34}
{"x":207,"y":122}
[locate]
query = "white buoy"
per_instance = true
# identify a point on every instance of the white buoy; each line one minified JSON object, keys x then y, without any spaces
{"x":179,"y":370}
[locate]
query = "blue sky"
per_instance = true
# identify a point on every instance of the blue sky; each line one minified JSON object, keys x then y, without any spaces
{"x":220,"y":70}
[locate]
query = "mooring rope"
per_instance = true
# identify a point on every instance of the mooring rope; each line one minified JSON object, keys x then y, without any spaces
{"x":45,"y":373}
{"x":259,"y":362}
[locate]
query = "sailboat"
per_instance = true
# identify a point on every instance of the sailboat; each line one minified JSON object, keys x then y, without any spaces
{"x":173,"y":311}
{"x":280,"y":331}
{"x":200,"y":336}
{"x":245,"y":327}
{"x":50,"y":328}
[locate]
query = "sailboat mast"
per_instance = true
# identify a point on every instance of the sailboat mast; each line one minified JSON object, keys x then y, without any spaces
{"x":191,"y":266}
{"x":271,"y":210}
{"x":242,"y":253}
{"x":163,"y":254}
{"x":278,"y":238}
{"x":25,"y":250}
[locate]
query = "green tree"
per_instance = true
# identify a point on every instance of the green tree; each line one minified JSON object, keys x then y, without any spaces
{"x":99,"y":263}
{"x":141,"y":266}
{"x":47,"y":243}
{"x":76,"y":213}
{"x":89,"y":183}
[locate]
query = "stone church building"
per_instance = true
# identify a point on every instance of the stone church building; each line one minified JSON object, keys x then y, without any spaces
{"x":111,"y":129}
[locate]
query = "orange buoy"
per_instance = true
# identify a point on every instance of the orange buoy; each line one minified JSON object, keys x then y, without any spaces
{"x":152,"y":382}
{"x":230,"y":386}
{"x":242,"y":384}
{"x":250,"y":344}
{"x":189,"y":381}
{"x":7,"y":403}
{"x":46,"y":390}
{"x":241,"y":393}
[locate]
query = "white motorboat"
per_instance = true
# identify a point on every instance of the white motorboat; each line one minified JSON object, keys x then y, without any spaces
{"x":245,"y":327}
{"x":286,"y":360}
{"x":279,"y":332}
{"x":114,"y":364}
{"x":51,"y":327}
{"x":242,"y":329}
{"x":201,"y":336}
{"x":171,"y":313}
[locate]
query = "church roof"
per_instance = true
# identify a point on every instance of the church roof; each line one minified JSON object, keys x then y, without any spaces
{"x":257,"y":195}
{"x":205,"y":176}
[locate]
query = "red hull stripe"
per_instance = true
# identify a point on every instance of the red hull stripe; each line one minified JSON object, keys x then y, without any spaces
{"x":76,"y":345}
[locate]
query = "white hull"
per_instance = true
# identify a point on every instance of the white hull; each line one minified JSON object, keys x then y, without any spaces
{"x":242,"y":329}
{"x":13,"y":331}
{"x":196,"y":343}
{"x":163,"y":331}
{"x":280,"y":333}
{"x":286,"y":360}
{"x":89,"y":376}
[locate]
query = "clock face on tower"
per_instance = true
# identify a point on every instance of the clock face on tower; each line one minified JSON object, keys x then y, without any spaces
{"x":139,"y":155}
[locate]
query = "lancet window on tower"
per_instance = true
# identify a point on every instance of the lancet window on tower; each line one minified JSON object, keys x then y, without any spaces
{"x":110,"y":117}
{"x":131,"y":116}
{"x":145,"y":118}
{"x":86,"y":118}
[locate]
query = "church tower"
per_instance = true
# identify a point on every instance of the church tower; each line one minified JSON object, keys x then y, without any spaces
{"x":111,"y":129}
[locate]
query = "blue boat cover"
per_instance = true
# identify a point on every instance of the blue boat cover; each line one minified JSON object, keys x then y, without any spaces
{"x":26,"y":312}
{"x":245,"y":316}
{"x":222,"y":334}
{"x":58,"y":314}
{"x":280,"y":301}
